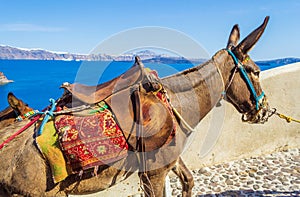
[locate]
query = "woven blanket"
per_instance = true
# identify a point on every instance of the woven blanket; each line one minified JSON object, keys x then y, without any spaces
{"x":47,"y":144}
{"x":89,"y":141}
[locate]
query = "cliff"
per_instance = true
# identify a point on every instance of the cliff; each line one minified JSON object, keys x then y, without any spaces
{"x":148,"y":56}
{"x":14,"y":53}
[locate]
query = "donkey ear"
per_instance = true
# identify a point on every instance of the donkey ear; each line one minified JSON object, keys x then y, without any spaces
{"x":12,"y":100}
{"x":248,"y":43}
{"x":234,"y":37}
{"x":138,"y":61}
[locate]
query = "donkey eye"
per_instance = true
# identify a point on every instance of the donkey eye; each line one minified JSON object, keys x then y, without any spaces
{"x":256,"y":73}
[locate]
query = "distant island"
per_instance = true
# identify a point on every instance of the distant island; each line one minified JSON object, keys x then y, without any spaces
{"x":148,"y":56}
{"x":4,"y":80}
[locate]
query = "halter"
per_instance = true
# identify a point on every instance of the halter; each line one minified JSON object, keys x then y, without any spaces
{"x":26,"y":115}
{"x":242,"y":70}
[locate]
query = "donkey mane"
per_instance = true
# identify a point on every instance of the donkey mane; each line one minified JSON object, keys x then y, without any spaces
{"x":192,"y":77}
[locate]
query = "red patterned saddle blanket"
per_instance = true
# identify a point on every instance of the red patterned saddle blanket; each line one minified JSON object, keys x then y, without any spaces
{"x":92,"y":140}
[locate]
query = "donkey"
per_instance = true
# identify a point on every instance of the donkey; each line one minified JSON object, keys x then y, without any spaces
{"x":229,"y":74}
{"x":17,"y":108}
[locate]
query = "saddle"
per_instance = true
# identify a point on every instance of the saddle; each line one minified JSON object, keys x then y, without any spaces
{"x":95,"y":94}
{"x":128,"y":112}
{"x":132,"y":98}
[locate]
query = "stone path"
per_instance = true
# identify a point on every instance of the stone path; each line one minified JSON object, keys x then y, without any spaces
{"x":276,"y":174}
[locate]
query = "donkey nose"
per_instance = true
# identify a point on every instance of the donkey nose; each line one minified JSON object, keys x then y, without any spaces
{"x":263,"y":102}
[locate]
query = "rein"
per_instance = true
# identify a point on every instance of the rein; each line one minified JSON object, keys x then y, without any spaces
{"x":35,"y":115}
{"x":19,"y":131}
{"x":288,"y":119}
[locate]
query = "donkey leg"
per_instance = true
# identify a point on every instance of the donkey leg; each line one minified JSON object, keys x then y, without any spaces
{"x":185,"y":176}
{"x":154,"y":181}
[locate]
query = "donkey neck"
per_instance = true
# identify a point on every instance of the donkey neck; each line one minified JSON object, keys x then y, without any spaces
{"x":7,"y":113}
{"x":195,"y":91}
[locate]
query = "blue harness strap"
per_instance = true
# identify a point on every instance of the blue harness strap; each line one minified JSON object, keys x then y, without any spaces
{"x":47,"y":113}
{"x":247,"y":79}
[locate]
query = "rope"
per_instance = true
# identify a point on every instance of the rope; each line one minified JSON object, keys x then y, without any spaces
{"x":47,"y":116}
{"x":74,"y":109}
{"x":287,"y":118}
{"x":190,"y":129}
{"x":20,"y":131}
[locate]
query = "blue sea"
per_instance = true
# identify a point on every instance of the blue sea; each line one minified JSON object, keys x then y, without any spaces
{"x":36,"y":81}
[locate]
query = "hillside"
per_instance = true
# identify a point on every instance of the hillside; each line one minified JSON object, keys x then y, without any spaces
{"x":148,"y":56}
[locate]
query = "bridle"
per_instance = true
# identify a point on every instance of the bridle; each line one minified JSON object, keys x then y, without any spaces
{"x":29,"y":114}
{"x":240,"y":67}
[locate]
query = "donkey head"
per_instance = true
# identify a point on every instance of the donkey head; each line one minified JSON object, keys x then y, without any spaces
{"x":243,"y":88}
{"x":17,"y":105}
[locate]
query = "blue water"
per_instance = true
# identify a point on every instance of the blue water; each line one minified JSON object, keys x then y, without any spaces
{"x":36,"y":81}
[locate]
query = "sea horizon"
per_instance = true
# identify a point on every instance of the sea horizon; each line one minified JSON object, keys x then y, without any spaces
{"x":36,"y":81}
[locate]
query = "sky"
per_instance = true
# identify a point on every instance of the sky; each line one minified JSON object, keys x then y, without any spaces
{"x":76,"y":26}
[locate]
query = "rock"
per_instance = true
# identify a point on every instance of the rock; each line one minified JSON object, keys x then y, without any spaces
{"x":203,"y":170}
{"x":218,"y":189}
{"x":260,"y":173}
{"x":296,"y":175}
{"x":218,"y":166}
{"x":286,"y":170}
{"x":207,"y":174}
{"x":206,"y":182}
{"x":276,"y":162}
{"x":265,"y":185}
{"x":257,"y":178}
{"x":252,"y":173}
{"x":226,"y":165}
{"x":237,"y":184}
{"x":213,"y":185}
{"x":268,"y":171}
{"x":234,"y":177}
{"x":294,"y":188}
{"x":280,"y":174}
{"x":243,"y":173}
{"x":214,"y":179}
{"x":297,"y":168}
{"x":225,"y":176}
{"x":283,"y":179}
{"x":280,"y":187}
{"x":259,"y":182}
{"x":270,"y":177}
{"x":296,"y":159}
{"x":255,"y":187}
{"x":285,"y":148}
{"x":229,"y":182}
{"x":295,"y":182}
{"x":285,"y":183}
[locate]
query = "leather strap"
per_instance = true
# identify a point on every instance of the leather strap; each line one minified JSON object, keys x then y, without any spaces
{"x":140,"y":145}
